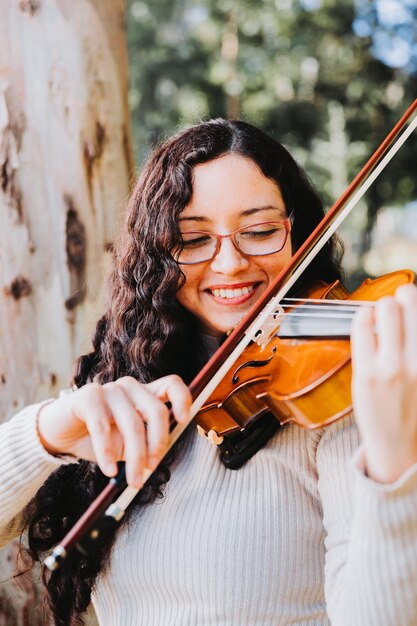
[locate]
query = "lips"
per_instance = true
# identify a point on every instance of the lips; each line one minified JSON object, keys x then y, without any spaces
{"x":232,"y":294}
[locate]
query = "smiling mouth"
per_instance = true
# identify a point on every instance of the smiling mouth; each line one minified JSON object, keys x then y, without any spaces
{"x":232,"y":294}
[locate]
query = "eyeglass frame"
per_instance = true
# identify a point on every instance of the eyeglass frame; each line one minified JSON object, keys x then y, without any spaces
{"x":287,"y":221}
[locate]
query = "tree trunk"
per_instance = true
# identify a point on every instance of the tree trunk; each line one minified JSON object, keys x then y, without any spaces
{"x":65,"y":160}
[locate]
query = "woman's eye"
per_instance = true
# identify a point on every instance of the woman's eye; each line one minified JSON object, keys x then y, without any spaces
{"x":195,"y":242}
{"x":259,"y":233}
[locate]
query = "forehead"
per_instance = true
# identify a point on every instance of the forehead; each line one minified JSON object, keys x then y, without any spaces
{"x":230,"y":186}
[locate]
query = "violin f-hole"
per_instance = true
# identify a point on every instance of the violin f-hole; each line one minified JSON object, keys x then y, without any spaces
{"x":235,"y":377}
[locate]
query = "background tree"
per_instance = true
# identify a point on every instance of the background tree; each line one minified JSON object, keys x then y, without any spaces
{"x":65,"y":161}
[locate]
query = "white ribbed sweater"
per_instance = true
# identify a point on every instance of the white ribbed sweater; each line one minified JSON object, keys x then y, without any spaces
{"x":297,"y":536}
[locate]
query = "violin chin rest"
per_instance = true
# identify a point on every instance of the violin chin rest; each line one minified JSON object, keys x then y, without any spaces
{"x":238,"y":447}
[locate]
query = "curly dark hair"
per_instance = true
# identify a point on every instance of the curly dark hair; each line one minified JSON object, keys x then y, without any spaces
{"x":144,"y":325}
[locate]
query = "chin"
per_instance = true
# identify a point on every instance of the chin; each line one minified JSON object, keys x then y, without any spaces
{"x":221,"y":329}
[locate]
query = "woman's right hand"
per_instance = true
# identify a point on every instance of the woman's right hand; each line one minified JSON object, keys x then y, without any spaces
{"x":122,"y":420}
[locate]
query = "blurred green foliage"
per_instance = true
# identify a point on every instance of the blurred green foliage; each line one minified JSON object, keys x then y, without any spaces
{"x":298,"y":69}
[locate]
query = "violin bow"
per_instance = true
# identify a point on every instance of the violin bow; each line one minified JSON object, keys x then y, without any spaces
{"x":105,"y":513}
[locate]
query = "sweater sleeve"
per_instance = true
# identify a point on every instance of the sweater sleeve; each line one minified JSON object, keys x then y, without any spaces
{"x":24,"y":467}
{"x":371,"y":543}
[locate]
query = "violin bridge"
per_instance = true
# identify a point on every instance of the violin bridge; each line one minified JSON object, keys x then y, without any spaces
{"x":261,"y":333}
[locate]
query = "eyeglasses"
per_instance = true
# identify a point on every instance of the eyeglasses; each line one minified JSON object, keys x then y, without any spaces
{"x":199,"y":246}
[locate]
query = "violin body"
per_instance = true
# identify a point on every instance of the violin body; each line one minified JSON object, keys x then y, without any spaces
{"x":304,"y":380}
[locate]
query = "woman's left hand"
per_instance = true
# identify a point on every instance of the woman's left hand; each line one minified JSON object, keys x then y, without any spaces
{"x":384,"y":383}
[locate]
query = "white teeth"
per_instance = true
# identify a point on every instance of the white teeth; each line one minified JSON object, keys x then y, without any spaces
{"x":232,"y":293}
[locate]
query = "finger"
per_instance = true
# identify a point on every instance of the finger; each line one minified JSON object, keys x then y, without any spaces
{"x":363,"y":340}
{"x":130,"y":424}
{"x":406,"y":295}
{"x":92,"y":409}
{"x":173,"y":389}
{"x":388,"y":319}
{"x":154,"y":413}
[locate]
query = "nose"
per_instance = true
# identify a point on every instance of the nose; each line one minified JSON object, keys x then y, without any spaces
{"x":228,"y":259}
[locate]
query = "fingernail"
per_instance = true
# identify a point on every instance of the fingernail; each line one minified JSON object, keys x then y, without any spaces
{"x":110,"y":468}
{"x":138,"y":481}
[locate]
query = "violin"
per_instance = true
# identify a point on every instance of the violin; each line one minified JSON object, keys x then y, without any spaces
{"x":287,"y":359}
{"x":301,"y":373}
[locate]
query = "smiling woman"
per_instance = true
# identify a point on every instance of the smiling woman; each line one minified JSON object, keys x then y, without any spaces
{"x":231,"y":193}
{"x":301,"y":534}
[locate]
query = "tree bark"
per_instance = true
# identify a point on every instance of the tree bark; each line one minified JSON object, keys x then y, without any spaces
{"x":65,"y":161}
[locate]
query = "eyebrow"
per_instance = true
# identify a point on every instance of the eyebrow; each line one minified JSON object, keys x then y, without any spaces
{"x":245,"y":213}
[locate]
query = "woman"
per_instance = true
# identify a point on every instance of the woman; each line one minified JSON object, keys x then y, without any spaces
{"x":301,"y":534}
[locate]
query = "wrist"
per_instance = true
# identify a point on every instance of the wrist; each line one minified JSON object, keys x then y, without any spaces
{"x":42,"y":417}
{"x":386,"y":467}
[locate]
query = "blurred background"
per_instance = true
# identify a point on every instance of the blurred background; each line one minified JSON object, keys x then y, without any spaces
{"x":327,"y":78}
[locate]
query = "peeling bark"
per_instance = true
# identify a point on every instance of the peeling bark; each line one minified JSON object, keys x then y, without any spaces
{"x":29,"y":6}
{"x":76,"y":249}
{"x":21,"y":593}
{"x":94,"y":149}
{"x":20,"y":287}
{"x":11,"y":130}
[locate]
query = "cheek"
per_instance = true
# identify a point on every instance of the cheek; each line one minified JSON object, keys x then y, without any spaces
{"x":274,"y":265}
{"x":189,"y":290}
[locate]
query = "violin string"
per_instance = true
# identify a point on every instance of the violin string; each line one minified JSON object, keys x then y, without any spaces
{"x":318,"y":312}
{"x":353,"y":303}
{"x":339,"y":316}
{"x":318,"y":309}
